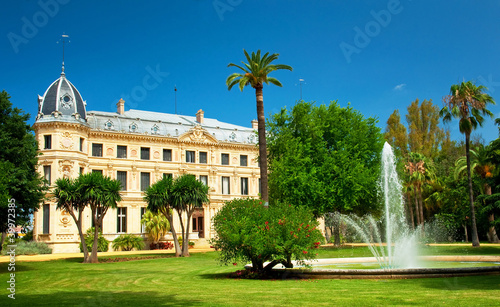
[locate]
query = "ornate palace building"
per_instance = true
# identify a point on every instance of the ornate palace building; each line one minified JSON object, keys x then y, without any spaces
{"x":137,"y":148}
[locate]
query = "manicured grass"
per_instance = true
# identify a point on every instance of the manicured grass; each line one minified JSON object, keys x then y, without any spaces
{"x":199,"y":280}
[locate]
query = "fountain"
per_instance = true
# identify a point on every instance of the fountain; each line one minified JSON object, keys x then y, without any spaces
{"x":397,"y":257}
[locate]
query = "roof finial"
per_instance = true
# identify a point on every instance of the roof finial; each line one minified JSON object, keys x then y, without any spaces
{"x":63,"y":43}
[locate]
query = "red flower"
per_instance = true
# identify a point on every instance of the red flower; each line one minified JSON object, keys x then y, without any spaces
{"x":267,"y":227}
{"x":267,"y":222}
{"x":234,"y":263}
{"x":305,"y":252}
{"x":291,"y":232}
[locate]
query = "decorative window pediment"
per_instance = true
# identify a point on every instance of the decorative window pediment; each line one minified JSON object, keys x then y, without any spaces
{"x":155,"y":129}
{"x":109,"y":125}
{"x":133,"y":127}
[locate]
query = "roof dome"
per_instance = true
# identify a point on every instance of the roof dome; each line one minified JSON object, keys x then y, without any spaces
{"x":62,"y":100}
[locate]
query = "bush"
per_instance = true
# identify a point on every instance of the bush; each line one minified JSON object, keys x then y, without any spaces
{"x":161,"y":245}
{"x":246,"y":231}
{"x":28,"y":236}
{"x":102,"y":243}
{"x":127,"y":242}
{"x":29,"y":248}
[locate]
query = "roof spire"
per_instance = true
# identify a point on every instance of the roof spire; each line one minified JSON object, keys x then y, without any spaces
{"x":64,"y":36}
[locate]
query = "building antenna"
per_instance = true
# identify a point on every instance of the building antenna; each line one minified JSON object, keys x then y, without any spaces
{"x":175,"y":91}
{"x":63,"y":40}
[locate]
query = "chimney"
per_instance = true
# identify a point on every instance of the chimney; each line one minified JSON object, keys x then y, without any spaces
{"x":120,"y":106}
{"x":200,"y":116}
{"x":255,"y":124}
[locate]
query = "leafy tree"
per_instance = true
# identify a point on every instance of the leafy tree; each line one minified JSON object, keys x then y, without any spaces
{"x":156,"y":225}
{"x":184,"y":195}
{"x":326,"y":158}
{"x":256,"y":73}
{"x":128,"y":242}
{"x":99,"y":193}
{"x":187,"y":195}
{"x":246,"y":231}
{"x":68,"y":198}
{"x":468,"y":103}
{"x":19,"y":181}
{"x":159,"y":199}
{"x":396,"y":135}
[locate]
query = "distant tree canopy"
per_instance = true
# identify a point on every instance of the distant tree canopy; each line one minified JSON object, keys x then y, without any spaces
{"x":19,"y":179}
{"x":324,"y":157}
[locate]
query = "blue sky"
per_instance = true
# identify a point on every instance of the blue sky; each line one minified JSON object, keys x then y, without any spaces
{"x":377,"y":55}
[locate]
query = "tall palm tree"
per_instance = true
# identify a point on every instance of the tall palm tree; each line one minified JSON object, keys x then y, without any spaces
{"x":420,"y":171}
{"x":100,"y":193}
{"x":468,"y":103}
{"x":69,"y":199}
{"x":481,"y":165}
{"x":255,"y":73}
{"x":187,"y":195}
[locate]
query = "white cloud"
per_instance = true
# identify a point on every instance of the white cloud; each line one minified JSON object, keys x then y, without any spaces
{"x":399,"y":87}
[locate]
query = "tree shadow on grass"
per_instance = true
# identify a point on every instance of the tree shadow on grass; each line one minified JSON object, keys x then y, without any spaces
{"x":4,"y":268}
{"x":99,"y":298}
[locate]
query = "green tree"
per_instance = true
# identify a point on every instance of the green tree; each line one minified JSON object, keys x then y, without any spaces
{"x":468,"y":103}
{"x":187,"y":195}
{"x":100,"y":193}
{"x":256,"y":73}
{"x":156,"y":225}
{"x":69,"y":199}
{"x":20,"y":184}
{"x":158,"y":196}
{"x":249,"y":232}
{"x":326,"y":158}
{"x":395,"y":134}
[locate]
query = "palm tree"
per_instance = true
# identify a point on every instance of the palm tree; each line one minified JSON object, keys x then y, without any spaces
{"x":156,"y":225}
{"x":187,"y":195}
{"x":421,"y":171}
{"x":158,"y":196}
{"x":69,"y":199}
{"x":467,"y":102}
{"x":481,"y":165}
{"x":255,"y":74}
{"x":100,"y":193}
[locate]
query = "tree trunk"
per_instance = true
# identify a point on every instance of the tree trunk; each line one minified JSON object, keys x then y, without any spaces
{"x":185,"y":248}
{"x":417,"y":210}
{"x":174,"y":234}
{"x":492,"y":233}
{"x":475,"y":238}
{"x":261,"y":119}
{"x":421,"y":203}
{"x":466,"y":234}
{"x":93,"y":256}
{"x":183,"y":232}
{"x":4,"y":235}
{"x":78,"y":223}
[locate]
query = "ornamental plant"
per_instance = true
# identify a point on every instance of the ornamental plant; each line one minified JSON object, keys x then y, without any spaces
{"x":249,"y":232}
{"x":128,"y":242}
{"x":102,"y":243}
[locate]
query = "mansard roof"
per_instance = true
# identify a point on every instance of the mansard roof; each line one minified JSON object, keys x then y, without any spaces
{"x":169,"y":125}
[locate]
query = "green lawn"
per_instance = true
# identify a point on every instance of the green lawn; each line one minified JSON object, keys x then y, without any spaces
{"x":199,"y":280}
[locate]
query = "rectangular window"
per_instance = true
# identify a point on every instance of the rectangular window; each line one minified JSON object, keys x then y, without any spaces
{"x":225,"y":186}
{"x":143,"y":226}
{"x":144,"y":153}
{"x":167,"y":154}
{"x":204,"y":179}
{"x":47,"y":174}
{"x":47,"y":141}
{"x":167,"y":175}
{"x":195,"y":228}
{"x":97,"y":171}
{"x":203,"y":157}
{"x":46,"y":218}
{"x":224,"y":159}
{"x":145,"y":181}
{"x":122,"y":177}
{"x":96,"y":150}
{"x":81,"y":144}
{"x":243,"y":160}
{"x":190,"y":156}
{"x":81,"y":170}
{"x":121,"y":152}
{"x":121,"y":219}
{"x":244,"y":186}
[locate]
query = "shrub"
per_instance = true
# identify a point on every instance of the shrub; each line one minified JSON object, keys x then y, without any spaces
{"x":127,"y":242}
{"x":246,"y":231}
{"x":102,"y":243}
{"x":161,"y":245}
{"x":28,"y":236}
{"x":30,"y":248}
{"x":156,"y":225}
